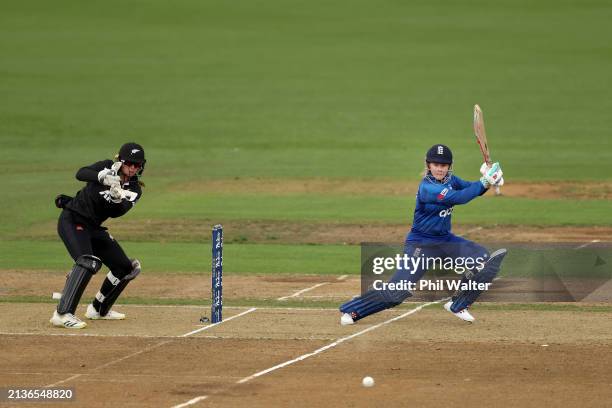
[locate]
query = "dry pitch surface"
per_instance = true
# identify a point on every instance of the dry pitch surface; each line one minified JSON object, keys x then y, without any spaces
{"x":162,"y":356}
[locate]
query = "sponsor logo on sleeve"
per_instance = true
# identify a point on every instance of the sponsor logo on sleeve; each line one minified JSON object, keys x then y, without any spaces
{"x":442,"y":194}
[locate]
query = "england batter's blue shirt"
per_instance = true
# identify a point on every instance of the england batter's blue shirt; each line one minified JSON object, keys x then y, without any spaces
{"x":435,"y":201}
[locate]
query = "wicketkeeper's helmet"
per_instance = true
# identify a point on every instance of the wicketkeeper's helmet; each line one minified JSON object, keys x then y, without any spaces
{"x":133,"y":153}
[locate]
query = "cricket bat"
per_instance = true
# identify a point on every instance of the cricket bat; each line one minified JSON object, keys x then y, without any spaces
{"x":481,"y":138}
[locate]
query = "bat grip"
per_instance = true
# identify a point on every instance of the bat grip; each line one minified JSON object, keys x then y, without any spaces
{"x":485,"y":155}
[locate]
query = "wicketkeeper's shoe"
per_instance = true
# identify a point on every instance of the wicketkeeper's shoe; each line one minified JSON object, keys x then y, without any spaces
{"x":93,"y":314}
{"x":67,"y":320}
{"x":462,"y":314}
{"x":346,"y":319}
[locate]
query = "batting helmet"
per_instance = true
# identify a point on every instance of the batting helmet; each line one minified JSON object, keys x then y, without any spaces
{"x":439,"y":154}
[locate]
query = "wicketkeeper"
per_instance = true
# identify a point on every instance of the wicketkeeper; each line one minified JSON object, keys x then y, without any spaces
{"x":431,"y":237}
{"x":112,"y":189}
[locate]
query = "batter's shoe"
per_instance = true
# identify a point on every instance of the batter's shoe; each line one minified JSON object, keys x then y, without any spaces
{"x":346,"y":319}
{"x":462,"y":314}
{"x":93,"y":314}
{"x":67,"y":320}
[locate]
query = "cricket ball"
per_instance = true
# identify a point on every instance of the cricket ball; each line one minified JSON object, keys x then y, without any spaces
{"x":367,"y":382}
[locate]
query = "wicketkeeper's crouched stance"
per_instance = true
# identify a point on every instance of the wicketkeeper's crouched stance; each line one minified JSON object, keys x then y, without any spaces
{"x":431,"y":237}
{"x":112,"y":189}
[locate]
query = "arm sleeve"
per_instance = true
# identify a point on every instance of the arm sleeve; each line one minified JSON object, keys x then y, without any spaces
{"x":432,"y":193}
{"x":90,"y":173}
{"x":460,"y":184}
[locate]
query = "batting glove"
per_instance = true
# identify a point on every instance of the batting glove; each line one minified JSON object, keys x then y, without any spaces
{"x":493,"y":174}
{"x":483,"y":171}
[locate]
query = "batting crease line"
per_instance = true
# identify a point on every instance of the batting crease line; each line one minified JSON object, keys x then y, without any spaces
{"x":191,"y":401}
{"x":587,"y":244}
{"x":226,"y":307}
{"x":63,"y":381}
{"x":335,"y":343}
{"x":235,"y":307}
{"x":201,"y":329}
{"x":138,"y":336}
{"x":299,"y":292}
{"x":330,"y":297}
{"x":126,"y":377}
{"x":148,"y":349}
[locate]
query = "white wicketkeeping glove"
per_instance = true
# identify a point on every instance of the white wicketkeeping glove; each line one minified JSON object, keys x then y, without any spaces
{"x":116,"y":193}
{"x":108,"y":177}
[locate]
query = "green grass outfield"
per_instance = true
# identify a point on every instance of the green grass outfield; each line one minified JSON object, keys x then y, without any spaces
{"x":305,"y":88}
{"x":297,"y":89}
{"x":196,"y":257}
{"x":326,"y":208}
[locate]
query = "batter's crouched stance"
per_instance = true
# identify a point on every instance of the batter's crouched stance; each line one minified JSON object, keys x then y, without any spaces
{"x":112,"y":189}
{"x":431,"y":237}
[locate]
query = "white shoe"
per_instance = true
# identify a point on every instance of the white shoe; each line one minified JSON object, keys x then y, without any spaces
{"x":346,"y":319}
{"x":462,"y":314}
{"x":67,"y":320}
{"x":93,"y":314}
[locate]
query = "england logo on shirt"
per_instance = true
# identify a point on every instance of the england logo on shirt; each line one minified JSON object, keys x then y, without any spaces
{"x":442,"y":194}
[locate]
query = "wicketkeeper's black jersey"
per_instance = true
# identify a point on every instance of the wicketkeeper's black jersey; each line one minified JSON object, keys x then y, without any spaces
{"x":93,"y":202}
